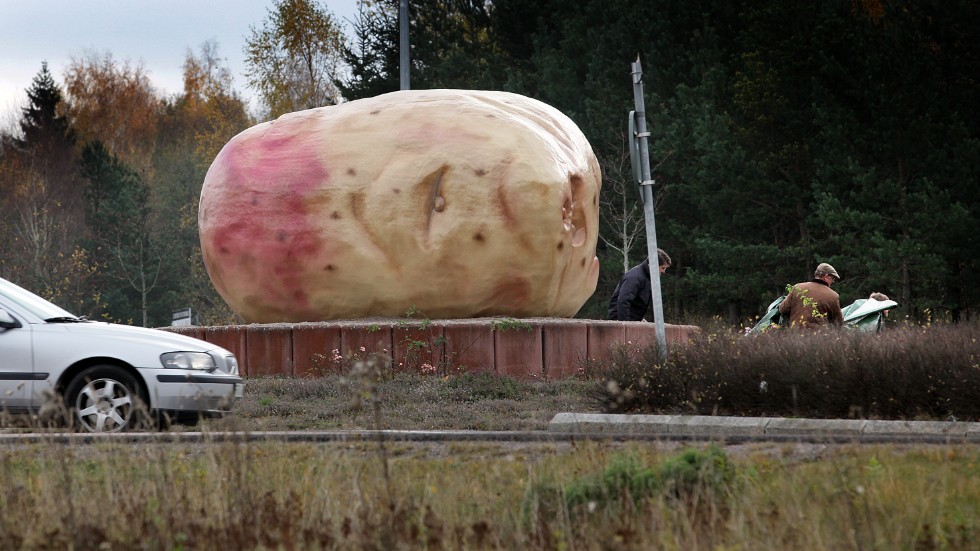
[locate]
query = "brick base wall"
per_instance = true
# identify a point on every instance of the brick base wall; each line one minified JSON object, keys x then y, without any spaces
{"x":527,"y":348}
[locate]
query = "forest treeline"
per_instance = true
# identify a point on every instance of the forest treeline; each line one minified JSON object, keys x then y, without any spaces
{"x":783,"y":134}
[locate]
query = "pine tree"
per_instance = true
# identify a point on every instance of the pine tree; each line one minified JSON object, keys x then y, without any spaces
{"x":40,"y":121}
{"x":41,"y":199}
{"x":118,"y":210}
{"x":372,"y":57}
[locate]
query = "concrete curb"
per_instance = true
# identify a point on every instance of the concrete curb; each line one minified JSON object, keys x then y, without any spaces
{"x":728,"y":427}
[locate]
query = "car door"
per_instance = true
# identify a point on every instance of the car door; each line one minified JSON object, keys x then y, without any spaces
{"x":16,"y":362}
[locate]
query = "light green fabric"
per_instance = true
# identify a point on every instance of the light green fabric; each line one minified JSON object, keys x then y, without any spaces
{"x":770,"y":320}
{"x":867,"y":315}
{"x":870,"y":318}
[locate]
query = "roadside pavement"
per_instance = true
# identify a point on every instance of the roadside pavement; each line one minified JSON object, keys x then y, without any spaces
{"x":762,"y":428}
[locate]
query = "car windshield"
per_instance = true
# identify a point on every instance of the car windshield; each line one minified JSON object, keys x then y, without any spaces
{"x":26,"y":300}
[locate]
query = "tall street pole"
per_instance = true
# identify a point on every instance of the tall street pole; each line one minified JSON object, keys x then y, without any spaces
{"x":403,"y":45}
{"x":640,"y":156}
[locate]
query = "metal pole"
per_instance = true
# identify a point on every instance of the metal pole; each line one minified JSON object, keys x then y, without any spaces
{"x":403,"y":45}
{"x":646,"y":189}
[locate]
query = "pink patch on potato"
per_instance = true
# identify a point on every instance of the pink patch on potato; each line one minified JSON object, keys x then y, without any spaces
{"x":266,"y":232}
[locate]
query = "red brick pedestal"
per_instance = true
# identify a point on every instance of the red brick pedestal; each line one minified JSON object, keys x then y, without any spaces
{"x":531,"y":348}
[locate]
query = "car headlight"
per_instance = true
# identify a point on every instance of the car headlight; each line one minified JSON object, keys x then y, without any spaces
{"x":188,"y":360}
{"x":232,"y":365}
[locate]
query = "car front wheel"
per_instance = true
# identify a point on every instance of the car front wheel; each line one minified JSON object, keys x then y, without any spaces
{"x":106,"y":398}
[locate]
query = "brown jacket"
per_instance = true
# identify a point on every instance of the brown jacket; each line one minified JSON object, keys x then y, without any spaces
{"x":812,"y":304}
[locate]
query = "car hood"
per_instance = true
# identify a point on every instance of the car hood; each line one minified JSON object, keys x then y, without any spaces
{"x":164,"y":340}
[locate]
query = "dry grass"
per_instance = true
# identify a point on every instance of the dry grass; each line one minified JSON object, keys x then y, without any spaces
{"x":410,"y":402}
{"x":481,"y":496}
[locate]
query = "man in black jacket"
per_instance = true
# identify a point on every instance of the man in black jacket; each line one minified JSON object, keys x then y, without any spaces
{"x":632,"y":297}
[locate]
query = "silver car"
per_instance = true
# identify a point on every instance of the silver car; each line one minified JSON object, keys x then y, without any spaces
{"x":109,"y":377}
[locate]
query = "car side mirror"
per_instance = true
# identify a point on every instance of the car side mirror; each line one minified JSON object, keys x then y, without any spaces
{"x":7,"y":321}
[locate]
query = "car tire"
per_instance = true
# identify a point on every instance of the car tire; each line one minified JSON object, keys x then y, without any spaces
{"x":106,"y":398}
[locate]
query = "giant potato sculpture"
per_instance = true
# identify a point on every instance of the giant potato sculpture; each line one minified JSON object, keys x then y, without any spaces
{"x":458,"y":203}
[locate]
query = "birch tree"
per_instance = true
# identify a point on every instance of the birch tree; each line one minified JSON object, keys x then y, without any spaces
{"x":294,"y":58}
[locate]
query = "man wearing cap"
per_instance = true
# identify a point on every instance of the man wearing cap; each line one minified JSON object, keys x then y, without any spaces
{"x":813,"y":304}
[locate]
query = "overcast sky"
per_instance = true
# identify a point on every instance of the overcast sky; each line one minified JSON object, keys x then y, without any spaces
{"x":154,"y":32}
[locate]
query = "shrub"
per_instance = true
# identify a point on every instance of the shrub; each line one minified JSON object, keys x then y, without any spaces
{"x":905,"y":373}
{"x":624,"y":477}
{"x":696,"y":472}
{"x":626,"y":483}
